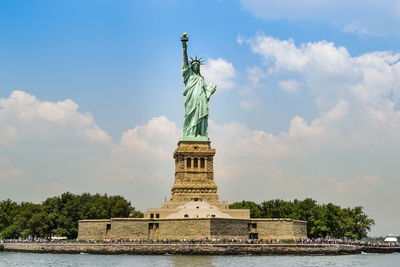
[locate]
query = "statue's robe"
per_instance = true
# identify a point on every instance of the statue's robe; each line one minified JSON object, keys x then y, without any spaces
{"x":197,"y":95}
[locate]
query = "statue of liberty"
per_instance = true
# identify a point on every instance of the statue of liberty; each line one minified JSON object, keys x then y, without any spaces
{"x":197,"y":95}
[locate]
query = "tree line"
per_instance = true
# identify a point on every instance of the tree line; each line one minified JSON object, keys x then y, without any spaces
{"x":323,"y":220}
{"x":59,"y":216}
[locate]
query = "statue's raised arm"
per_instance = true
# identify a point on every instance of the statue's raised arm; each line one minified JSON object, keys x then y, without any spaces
{"x":197,"y":94}
{"x":184,"y":41}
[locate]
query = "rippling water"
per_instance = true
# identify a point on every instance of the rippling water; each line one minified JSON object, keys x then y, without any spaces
{"x":33,"y":259}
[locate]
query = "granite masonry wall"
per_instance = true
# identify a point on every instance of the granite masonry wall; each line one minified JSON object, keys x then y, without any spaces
{"x":229,"y":228}
{"x":280,"y":228}
{"x":183,"y":228}
{"x":179,"y":228}
{"x":126,"y":228}
{"x":93,"y":229}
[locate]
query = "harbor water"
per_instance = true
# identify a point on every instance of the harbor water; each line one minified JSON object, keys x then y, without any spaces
{"x":45,"y":259}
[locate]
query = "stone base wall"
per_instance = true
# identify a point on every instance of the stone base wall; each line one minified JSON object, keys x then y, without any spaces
{"x":129,"y":228}
{"x":280,"y":228}
{"x":228,"y":228}
{"x":93,"y":229}
{"x":179,"y":228}
{"x":300,"y":228}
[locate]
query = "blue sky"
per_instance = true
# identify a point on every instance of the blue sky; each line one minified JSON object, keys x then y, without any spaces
{"x":306,"y":106}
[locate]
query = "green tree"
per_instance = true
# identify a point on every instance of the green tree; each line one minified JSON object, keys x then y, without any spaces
{"x":326,"y":220}
{"x":8,"y":210}
{"x":60,"y":215}
{"x":11,"y":232}
{"x":68,"y":209}
{"x":278,"y":208}
{"x":41,"y":224}
{"x":137,"y":214}
{"x":23,"y":220}
{"x":354,"y":223}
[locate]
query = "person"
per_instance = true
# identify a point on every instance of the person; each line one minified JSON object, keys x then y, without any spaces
{"x":197,"y":95}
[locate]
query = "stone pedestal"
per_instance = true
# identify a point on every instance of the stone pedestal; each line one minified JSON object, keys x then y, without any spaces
{"x":194,"y":193}
{"x":194,"y":172}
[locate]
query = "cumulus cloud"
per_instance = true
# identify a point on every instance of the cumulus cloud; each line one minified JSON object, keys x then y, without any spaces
{"x":319,"y":126}
{"x":326,"y":70}
{"x":54,"y":146}
{"x":44,"y":142}
{"x":233,"y":137}
{"x":330,"y":72}
{"x":284,"y":55}
{"x":143,"y":153}
{"x":351,"y":16}
{"x":353,"y":95}
{"x":24,"y":118}
{"x":220,"y":72}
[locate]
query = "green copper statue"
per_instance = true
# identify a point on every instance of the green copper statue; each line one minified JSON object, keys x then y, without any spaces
{"x":197,"y":95}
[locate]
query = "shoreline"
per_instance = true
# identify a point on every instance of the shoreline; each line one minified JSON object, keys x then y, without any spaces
{"x":195,"y":249}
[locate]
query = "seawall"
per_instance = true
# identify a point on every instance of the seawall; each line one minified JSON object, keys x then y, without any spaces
{"x":197,"y":249}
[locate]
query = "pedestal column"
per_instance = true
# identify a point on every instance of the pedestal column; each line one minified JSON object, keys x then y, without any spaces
{"x":194,"y":172}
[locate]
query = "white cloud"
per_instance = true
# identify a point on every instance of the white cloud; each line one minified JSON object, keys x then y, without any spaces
{"x":25,"y":119}
{"x":331,"y":73}
{"x":7,"y":135}
{"x":319,"y":126}
{"x":144,"y":152}
{"x":234,"y":137}
{"x":220,"y":72}
{"x":327,"y":71}
{"x":283,"y":55}
{"x":45,"y":141}
{"x":353,"y":95}
{"x":379,"y":18}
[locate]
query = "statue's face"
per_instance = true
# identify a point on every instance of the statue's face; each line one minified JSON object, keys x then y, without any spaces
{"x":195,"y":68}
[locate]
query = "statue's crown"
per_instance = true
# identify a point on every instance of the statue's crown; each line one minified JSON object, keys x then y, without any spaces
{"x":196,"y":60}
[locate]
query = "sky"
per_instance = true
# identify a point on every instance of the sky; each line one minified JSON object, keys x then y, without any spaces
{"x":307,"y":101}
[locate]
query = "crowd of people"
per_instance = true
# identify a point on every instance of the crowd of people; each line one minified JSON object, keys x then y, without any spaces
{"x":210,"y":241}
